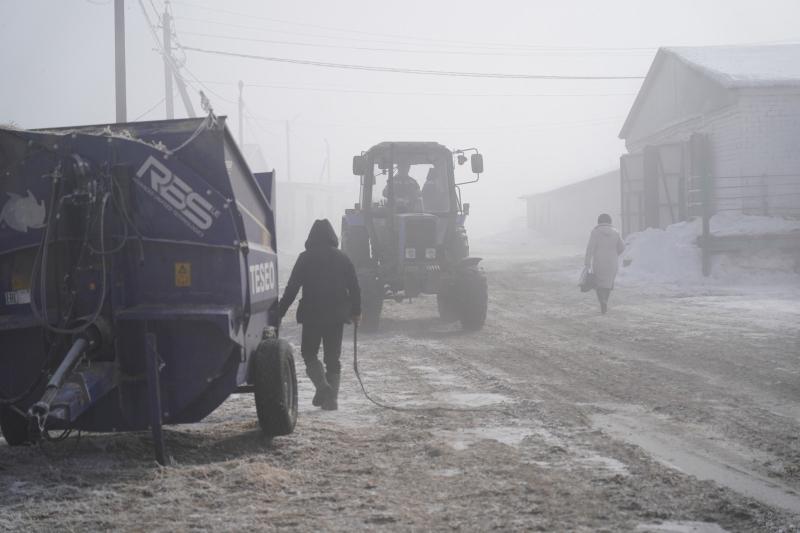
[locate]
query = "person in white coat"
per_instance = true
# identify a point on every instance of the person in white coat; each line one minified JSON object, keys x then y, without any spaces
{"x":602,"y":258}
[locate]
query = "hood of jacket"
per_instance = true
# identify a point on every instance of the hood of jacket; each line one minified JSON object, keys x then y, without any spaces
{"x":322,"y":235}
{"x":605,"y":229}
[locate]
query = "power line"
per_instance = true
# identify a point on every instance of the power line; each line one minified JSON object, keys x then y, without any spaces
{"x":150,"y":109}
{"x":413,"y":93}
{"x":540,"y":126}
{"x":376,"y":49}
{"x":204,"y":86}
{"x":253,"y":120}
{"x":150,"y":24}
{"x":404,"y":38}
{"x":156,"y":10}
{"x":479,"y":46}
{"x":397,"y":70}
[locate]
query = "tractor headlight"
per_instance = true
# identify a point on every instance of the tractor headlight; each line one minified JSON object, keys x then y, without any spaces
{"x":411,"y":253}
{"x":430,"y":253}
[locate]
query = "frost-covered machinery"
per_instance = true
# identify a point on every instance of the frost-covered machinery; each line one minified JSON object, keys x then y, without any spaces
{"x":138,"y":267}
{"x":406,"y":236}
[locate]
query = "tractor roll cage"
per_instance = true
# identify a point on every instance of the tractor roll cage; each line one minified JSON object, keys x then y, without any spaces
{"x":387,"y":154}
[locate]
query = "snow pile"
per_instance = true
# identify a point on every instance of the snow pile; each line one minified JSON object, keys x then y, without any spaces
{"x":673,"y":256}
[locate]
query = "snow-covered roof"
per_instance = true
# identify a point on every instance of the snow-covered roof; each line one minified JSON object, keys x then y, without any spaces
{"x":744,"y":66}
{"x":731,"y":67}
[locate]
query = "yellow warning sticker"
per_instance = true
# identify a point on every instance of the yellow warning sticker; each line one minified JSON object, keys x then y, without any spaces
{"x":183,"y":274}
{"x":20,"y":281}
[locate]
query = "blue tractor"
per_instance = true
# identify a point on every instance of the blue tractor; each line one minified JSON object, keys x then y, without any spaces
{"x":406,"y":236}
{"x":138,"y":268}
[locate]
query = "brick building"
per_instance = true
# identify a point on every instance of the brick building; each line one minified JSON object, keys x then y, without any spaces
{"x":725,"y":118}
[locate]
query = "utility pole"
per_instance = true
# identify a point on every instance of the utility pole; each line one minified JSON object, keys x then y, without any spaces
{"x":119,"y":60}
{"x":288,"y":154}
{"x":241,"y":114}
{"x":170,"y":69}
{"x":167,"y":36}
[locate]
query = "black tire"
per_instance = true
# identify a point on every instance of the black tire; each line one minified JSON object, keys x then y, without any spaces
{"x":474,"y":299}
{"x":371,"y":304}
{"x":275,"y":381}
{"x":355,"y":244}
{"x":14,"y":427}
{"x":446,"y":305}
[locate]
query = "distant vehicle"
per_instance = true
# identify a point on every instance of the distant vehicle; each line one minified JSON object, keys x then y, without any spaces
{"x":406,"y":236}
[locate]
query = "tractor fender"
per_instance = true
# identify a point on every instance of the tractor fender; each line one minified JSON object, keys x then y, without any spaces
{"x":469,"y":262}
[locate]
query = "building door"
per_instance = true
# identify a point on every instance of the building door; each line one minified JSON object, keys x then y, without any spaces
{"x":631,"y":170}
{"x":653,"y":187}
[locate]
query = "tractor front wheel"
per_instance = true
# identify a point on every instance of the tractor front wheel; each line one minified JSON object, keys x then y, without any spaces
{"x":446,"y":303}
{"x":275,"y":381}
{"x":372,"y":293}
{"x":474,"y":299}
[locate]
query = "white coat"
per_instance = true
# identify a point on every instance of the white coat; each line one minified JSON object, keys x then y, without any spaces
{"x":602,"y":254}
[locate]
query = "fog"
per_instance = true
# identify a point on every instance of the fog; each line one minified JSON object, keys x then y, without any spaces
{"x":618,"y":354}
{"x":58,"y":69}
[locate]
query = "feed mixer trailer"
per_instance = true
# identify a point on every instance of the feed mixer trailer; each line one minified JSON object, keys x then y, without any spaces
{"x":138,"y":268}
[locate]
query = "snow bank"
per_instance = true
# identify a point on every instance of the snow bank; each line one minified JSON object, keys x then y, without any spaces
{"x":673,"y":256}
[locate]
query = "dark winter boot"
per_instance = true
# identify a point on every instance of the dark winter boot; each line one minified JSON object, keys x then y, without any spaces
{"x":316,"y":374}
{"x":603,"y":307}
{"x":316,"y":401}
{"x":332,"y":402}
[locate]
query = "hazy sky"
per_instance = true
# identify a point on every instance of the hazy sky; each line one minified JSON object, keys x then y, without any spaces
{"x":58,"y":69}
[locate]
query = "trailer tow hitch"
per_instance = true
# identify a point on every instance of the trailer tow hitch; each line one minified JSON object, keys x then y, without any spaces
{"x":38,"y":413}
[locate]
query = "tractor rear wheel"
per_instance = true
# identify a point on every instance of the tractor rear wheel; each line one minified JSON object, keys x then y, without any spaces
{"x":275,"y":381}
{"x":355,"y":243}
{"x":14,"y":427}
{"x":474,"y":299}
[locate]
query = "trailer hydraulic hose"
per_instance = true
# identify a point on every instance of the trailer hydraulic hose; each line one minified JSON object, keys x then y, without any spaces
{"x":40,"y":268}
{"x":413,"y":409}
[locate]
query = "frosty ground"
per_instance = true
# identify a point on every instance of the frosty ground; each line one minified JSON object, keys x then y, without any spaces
{"x":677,"y":411}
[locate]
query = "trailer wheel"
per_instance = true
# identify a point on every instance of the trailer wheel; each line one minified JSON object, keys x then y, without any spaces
{"x":275,"y":382}
{"x":474,"y":298}
{"x":371,"y":305}
{"x":14,"y":427}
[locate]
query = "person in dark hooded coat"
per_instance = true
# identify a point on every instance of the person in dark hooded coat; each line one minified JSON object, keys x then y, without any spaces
{"x":331,"y":298}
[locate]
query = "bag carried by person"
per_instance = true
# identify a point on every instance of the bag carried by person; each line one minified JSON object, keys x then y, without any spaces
{"x":587,"y":281}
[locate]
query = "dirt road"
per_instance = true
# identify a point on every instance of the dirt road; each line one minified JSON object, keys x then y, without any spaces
{"x":677,"y":411}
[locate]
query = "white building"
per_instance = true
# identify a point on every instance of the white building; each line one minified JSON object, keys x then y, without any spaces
{"x":567,"y":214}
{"x":731,"y":113}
